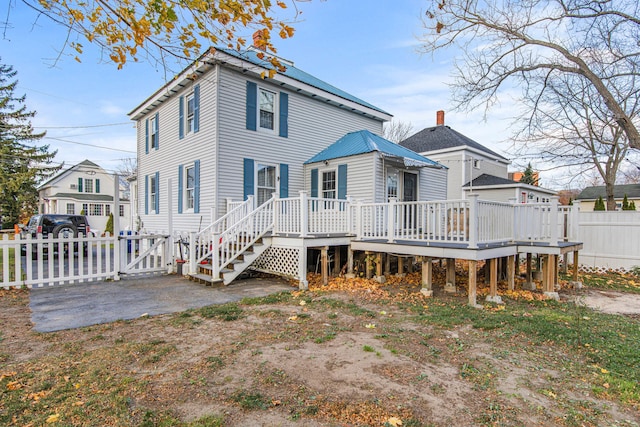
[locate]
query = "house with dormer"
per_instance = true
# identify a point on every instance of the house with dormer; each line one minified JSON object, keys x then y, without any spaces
{"x":473,"y":168}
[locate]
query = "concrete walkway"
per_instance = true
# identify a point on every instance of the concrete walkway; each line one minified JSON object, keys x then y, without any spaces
{"x":84,"y":304}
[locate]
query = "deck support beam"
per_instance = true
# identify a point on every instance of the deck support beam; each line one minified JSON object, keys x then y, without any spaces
{"x":511,"y":272}
{"x":529,"y":284}
{"x":324,"y":265}
{"x":367,"y":264}
{"x":400,"y":266}
{"x":473,"y":279}
{"x":450,"y":285}
{"x":350,"y":274}
{"x":379,"y":276}
{"x":337,"y":262}
{"x":493,"y":282}
{"x":577,"y":284}
{"x":549,"y":274}
{"x":387,"y":265}
{"x":427,"y":277}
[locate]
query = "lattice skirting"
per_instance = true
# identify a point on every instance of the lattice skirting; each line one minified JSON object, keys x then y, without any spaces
{"x":283,"y":261}
{"x":594,"y":269}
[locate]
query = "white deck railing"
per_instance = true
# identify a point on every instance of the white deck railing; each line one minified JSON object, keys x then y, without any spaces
{"x":471,"y":222}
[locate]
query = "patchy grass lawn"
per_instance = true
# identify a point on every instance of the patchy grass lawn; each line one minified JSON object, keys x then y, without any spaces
{"x":629,"y":282}
{"x":353,"y":353}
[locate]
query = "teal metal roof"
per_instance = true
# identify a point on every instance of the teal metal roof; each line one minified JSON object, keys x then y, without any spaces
{"x":299,"y":75}
{"x":362,"y":142}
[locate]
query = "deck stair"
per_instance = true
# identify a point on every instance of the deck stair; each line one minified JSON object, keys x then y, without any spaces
{"x":231,"y":244}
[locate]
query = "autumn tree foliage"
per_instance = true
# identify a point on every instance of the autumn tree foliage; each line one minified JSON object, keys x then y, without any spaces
{"x":527,"y":45}
{"x":128,"y":29}
{"x":23,"y":164}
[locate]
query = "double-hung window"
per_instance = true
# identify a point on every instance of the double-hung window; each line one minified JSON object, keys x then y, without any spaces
{"x":88,"y":185}
{"x":191,"y":112}
{"x":190,"y":175}
{"x":152,"y":192}
{"x":71,"y":208}
{"x":153,"y":125}
{"x":267,"y":109}
{"x":121,"y":210}
{"x":329,"y":184}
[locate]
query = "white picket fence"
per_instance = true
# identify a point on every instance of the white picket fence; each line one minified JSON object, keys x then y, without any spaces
{"x":50,"y":261}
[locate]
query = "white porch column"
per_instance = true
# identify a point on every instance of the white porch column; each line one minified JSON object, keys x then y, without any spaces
{"x":359,"y":220}
{"x":473,"y":220}
{"x":304,"y":214}
{"x":575,"y":222}
{"x":303,"y":284}
{"x":391,"y":219}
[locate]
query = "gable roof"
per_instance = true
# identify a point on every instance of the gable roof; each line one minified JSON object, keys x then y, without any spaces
{"x":441,"y":138}
{"x":486,"y":180}
{"x":364,"y":141}
{"x":592,"y":193}
{"x":59,"y":175}
{"x":247,"y":61}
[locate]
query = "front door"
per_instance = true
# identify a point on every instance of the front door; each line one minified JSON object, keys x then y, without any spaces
{"x":410,"y":187}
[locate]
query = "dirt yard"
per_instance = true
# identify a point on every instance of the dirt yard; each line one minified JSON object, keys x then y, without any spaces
{"x":330,"y":357}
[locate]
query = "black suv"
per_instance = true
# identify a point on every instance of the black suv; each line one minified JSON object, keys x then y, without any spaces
{"x":57,"y":224}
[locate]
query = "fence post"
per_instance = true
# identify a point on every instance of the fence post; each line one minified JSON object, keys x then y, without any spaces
{"x":553,"y":221}
{"x":473,"y":220}
{"x":304,"y":214}
{"x":169,"y":259}
{"x":215,"y":257}
{"x":118,"y":246}
{"x":391,"y":219}
{"x":575,"y":222}
{"x":192,"y":252}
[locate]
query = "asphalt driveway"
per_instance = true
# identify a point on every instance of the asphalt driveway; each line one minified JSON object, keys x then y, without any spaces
{"x":85,"y":304}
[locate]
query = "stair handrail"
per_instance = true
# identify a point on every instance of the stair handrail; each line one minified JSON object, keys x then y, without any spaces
{"x":227,"y":219}
{"x":228,"y":245}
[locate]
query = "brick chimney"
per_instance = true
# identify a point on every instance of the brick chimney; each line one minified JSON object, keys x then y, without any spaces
{"x":440,"y":118}
{"x":258,"y":40}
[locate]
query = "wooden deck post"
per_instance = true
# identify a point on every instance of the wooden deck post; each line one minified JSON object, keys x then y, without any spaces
{"x":379,"y":276}
{"x":577,"y":284}
{"x":350,"y":274}
{"x":337,"y":262}
{"x":367,"y":264}
{"x":511,"y":272}
{"x":549,"y":268}
{"x":387,"y":264}
{"x":400,"y":266}
{"x":473,"y":277}
{"x":450,"y":285}
{"x":493,"y":283}
{"x":324,"y":264}
{"x":427,"y":277}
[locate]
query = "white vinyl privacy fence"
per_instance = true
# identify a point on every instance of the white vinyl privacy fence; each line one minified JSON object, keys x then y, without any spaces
{"x":63,"y":260}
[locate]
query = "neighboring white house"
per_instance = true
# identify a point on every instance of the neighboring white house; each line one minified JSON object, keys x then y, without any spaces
{"x":368,"y":167}
{"x":473,"y":168}
{"x":219,"y":131}
{"x":83,"y":188}
{"x":589,"y":195}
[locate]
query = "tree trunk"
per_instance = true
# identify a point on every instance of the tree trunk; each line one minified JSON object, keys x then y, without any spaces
{"x":611,"y":201}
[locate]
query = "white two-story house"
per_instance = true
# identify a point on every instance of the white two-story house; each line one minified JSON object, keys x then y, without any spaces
{"x":85,"y":189}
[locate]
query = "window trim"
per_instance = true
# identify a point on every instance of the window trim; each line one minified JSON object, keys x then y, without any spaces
{"x":152,"y":193}
{"x":256,"y":181}
{"x":190,"y":126}
{"x":400,"y":176}
{"x":185,"y":192}
{"x":321,"y":182}
{"x":153,"y":134}
{"x":88,"y":182}
{"x":71,"y":211}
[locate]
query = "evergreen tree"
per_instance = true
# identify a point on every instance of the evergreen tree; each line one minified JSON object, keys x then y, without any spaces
{"x":23,"y":164}
{"x":599,"y":206}
{"x":109,"y":227}
{"x":632,"y":206}
{"x":529,"y":176}
{"x":625,"y":204}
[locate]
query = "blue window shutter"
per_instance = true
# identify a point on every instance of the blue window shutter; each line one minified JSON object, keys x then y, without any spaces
{"x":146,"y":137}
{"x":157,"y":131}
{"x":196,"y":188}
{"x":181,"y":115}
{"x":196,"y":110}
{"x":157,"y":192}
{"x":314,"y":182}
{"x":79,"y":185}
{"x":342,"y":181}
{"x":97,"y":185}
{"x":146,"y":194}
{"x":284,"y":115}
{"x":284,"y":181}
{"x":248,"y":178}
{"x":252,"y":105}
{"x":180,"y":184}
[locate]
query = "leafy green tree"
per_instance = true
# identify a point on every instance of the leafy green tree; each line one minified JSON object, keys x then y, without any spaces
{"x":599,"y":205}
{"x":23,"y":164}
{"x":529,"y":176}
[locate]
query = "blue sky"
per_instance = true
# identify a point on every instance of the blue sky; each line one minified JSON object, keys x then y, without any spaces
{"x":368,"y":48}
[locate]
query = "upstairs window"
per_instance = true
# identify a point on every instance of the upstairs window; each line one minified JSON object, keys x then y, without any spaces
{"x":88,"y":185}
{"x":267,"y":104}
{"x":191,"y":109}
{"x":153,"y":136}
